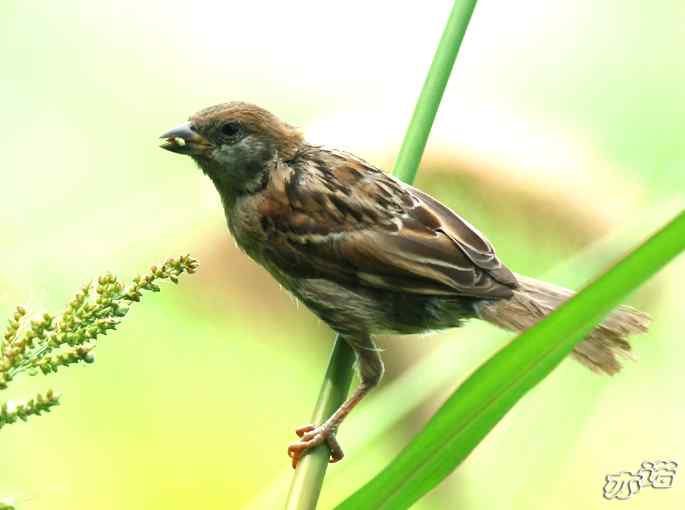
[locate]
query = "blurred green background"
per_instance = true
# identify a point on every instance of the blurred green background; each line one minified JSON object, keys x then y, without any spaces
{"x":560,"y":137}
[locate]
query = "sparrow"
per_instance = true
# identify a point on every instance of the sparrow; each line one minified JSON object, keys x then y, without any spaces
{"x":365,"y":252}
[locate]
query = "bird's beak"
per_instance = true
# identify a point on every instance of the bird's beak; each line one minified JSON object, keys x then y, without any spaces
{"x":184,"y":139}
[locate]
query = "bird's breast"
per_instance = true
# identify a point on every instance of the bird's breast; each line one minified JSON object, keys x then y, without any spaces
{"x":246,"y":225}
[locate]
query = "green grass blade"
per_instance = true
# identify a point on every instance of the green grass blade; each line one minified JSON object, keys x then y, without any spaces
{"x":309,"y":475}
{"x":486,"y":396}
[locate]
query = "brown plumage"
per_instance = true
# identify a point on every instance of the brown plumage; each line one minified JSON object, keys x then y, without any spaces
{"x":365,"y":252}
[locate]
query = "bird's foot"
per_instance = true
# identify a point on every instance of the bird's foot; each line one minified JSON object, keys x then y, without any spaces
{"x":311,"y":437}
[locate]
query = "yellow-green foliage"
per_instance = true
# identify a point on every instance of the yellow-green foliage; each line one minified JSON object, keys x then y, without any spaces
{"x":46,"y":343}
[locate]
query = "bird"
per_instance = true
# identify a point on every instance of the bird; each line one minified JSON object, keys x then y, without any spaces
{"x":365,"y":252}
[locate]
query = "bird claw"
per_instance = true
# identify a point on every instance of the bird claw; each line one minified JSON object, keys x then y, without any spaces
{"x":312,"y":436}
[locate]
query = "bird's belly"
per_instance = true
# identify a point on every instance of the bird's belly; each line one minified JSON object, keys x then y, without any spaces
{"x":356,"y":309}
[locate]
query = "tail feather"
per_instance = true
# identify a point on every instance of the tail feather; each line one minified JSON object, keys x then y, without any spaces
{"x":534,"y":299}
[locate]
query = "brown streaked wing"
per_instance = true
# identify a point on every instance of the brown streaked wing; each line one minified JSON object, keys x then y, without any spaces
{"x":474,"y":244}
{"x":429,"y":260}
{"x":398,"y":238}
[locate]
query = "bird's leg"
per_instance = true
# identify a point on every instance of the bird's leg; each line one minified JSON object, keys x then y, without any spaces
{"x":371,"y":371}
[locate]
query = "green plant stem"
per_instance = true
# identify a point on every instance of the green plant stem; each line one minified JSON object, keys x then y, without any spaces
{"x":416,"y":137}
{"x":486,"y":396}
{"x":310,"y":472}
{"x":312,"y":468}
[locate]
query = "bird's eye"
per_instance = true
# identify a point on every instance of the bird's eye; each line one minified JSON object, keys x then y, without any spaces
{"x":230,"y":128}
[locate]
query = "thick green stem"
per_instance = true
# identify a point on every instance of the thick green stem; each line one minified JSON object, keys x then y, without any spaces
{"x":415,"y":139}
{"x":308,"y":479}
{"x":310,"y":472}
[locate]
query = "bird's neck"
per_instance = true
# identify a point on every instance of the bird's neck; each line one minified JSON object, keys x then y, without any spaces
{"x":230,"y":190}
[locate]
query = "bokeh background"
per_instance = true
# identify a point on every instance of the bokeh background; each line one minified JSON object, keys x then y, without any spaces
{"x":560,"y":136}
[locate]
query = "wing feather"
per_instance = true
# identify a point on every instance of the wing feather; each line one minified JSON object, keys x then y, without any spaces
{"x":349,"y":221}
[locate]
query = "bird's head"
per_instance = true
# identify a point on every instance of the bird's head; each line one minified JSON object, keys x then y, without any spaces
{"x":235,"y":144}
